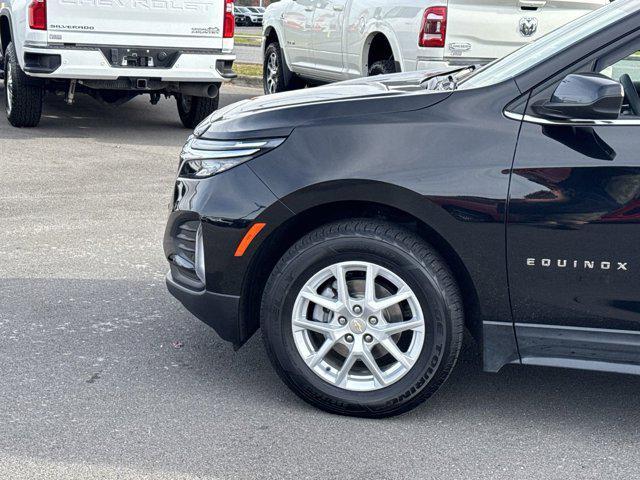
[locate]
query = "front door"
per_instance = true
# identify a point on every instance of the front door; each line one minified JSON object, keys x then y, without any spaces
{"x":297,"y":21}
{"x":574,"y":233}
{"x":328,"y":23}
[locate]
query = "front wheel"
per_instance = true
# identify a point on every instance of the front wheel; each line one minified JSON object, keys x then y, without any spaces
{"x":23,"y":95}
{"x":193,"y":110}
{"x":276,"y":77}
{"x":362,"y":318}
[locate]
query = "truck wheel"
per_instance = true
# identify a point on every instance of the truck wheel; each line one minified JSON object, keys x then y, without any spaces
{"x":23,"y":95}
{"x":382,"y":67}
{"x":274,"y":77}
{"x":363,"y":318}
{"x":193,"y":110}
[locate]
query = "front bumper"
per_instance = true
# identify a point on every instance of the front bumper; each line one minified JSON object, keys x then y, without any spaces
{"x":220,"y":312}
{"x":222,"y":208}
{"x":89,"y":63}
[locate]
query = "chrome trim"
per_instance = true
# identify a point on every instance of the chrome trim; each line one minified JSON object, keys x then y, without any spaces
{"x":203,"y":144}
{"x":193,"y":154}
{"x":571,"y":122}
{"x":199,"y":257}
{"x":201,"y":149}
{"x":513,"y":116}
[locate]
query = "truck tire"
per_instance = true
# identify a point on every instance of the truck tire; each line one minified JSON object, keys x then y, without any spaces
{"x":23,"y":95}
{"x":276,"y":77}
{"x":193,"y":110}
{"x":362,"y":317}
{"x":382,"y":67}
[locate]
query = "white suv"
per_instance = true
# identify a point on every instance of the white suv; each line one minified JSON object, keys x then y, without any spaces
{"x":115,"y":50}
{"x":329,"y":40}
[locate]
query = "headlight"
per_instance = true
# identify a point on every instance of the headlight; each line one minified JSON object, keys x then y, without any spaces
{"x":204,"y":158}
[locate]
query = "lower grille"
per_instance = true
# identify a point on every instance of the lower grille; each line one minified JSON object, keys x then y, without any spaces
{"x":186,"y":240}
{"x":183,"y":258}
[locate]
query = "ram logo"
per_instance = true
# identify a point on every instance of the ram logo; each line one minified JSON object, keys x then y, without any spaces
{"x":528,"y":26}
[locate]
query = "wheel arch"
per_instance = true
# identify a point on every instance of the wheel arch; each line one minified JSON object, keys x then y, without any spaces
{"x":6,"y":34}
{"x":375,"y":48}
{"x":270,"y":35}
{"x":312,"y":217}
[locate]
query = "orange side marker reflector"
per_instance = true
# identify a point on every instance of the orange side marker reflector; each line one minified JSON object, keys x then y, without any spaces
{"x":253,"y":232}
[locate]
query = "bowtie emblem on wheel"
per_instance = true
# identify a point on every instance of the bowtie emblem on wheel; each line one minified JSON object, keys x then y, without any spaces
{"x":358,"y":326}
{"x":528,"y":26}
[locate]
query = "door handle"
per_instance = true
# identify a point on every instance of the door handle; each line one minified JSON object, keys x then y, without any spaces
{"x":308,"y":9}
{"x":532,"y":3}
{"x":338,"y":8}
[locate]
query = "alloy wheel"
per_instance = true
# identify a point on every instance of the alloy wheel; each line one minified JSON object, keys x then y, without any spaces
{"x":8,"y":85}
{"x":272,"y":73}
{"x":358,"y":326}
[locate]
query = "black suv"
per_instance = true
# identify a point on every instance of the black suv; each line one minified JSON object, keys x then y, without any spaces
{"x":364,"y":225}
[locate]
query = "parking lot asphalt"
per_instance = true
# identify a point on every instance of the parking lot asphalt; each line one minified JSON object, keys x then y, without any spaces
{"x":104,"y":375}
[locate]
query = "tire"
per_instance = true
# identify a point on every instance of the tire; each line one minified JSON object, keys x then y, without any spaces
{"x":193,"y":110}
{"x":23,"y":95}
{"x":397,"y":254}
{"x":275,"y":77}
{"x":382,"y":67}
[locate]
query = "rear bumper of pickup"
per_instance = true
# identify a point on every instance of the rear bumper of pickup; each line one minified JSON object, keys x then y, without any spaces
{"x":89,"y":62}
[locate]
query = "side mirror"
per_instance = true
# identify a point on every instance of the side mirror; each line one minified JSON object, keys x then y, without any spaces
{"x":588,"y":96}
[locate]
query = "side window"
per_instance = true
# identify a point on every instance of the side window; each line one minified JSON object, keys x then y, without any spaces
{"x":624,"y":66}
{"x":629,"y":65}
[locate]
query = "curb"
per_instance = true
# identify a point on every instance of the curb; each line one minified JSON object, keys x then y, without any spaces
{"x":247,"y":81}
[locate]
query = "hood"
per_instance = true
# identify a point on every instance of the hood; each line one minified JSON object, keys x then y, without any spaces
{"x":284,"y":111}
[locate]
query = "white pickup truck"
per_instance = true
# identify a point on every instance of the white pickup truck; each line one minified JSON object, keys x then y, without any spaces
{"x":115,"y":50}
{"x":318,"y":41}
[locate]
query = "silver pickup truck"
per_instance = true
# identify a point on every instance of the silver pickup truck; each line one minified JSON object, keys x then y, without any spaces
{"x":319,"y":41}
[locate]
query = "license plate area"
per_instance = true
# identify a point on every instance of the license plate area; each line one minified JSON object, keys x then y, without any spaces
{"x":123,"y":57}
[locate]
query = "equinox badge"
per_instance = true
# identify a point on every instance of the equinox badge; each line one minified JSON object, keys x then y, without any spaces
{"x":578,"y":264}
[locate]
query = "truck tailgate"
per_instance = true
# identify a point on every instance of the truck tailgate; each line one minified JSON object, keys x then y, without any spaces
{"x":147,"y":23}
{"x":490,"y":29}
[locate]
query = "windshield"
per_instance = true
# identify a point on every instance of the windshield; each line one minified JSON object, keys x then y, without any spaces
{"x":549,"y":45}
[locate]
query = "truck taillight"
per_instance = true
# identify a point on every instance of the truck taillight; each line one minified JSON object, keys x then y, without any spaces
{"x":434,"y":27}
{"x":38,"y":15}
{"x":229,"y":20}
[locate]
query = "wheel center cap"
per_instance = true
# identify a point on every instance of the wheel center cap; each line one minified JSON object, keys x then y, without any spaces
{"x":358,"y":326}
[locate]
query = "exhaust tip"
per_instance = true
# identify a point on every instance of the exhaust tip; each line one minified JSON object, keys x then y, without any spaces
{"x":212,"y":91}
